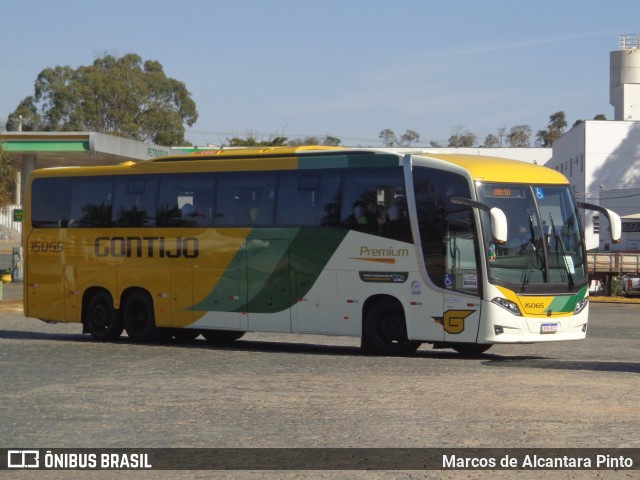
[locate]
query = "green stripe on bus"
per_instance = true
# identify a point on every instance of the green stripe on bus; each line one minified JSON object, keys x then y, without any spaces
{"x":324,"y":161}
{"x":372,"y":160}
{"x":567,"y":304}
{"x":274,"y":268}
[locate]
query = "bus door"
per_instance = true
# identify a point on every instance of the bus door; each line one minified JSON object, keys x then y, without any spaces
{"x":219,"y":291}
{"x":316,"y":312}
{"x":461,"y":300}
{"x":268,"y":284}
{"x":181,"y":297}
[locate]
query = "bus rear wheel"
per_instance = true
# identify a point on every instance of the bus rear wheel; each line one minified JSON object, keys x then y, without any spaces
{"x":102,"y":320}
{"x":385,"y":331}
{"x":139,"y":318}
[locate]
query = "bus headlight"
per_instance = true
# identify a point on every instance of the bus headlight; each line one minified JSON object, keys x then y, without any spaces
{"x":507,"y":305}
{"x":581,"y":304}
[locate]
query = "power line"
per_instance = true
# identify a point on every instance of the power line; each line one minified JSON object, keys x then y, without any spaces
{"x":367,"y":140}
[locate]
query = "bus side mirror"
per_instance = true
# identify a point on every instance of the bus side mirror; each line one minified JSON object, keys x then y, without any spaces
{"x":613,"y":217}
{"x":616,"y":226}
{"x":498,"y":225}
{"x":498,"y":218}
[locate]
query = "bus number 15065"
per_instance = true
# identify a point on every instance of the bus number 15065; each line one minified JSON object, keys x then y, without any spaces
{"x":46,"y":247}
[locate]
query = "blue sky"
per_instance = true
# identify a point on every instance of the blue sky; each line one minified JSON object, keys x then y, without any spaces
{"x":344,"y":68}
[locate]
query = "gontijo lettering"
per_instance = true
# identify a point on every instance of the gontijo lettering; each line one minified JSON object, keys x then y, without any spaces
{"x":149,"y":247}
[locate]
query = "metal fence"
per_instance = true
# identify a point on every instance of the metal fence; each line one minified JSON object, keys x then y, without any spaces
{"x":6,"y":219}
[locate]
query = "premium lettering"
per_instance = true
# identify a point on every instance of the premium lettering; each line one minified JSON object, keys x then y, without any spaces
{"x":383,"y":252}
{"x":147,"y":247}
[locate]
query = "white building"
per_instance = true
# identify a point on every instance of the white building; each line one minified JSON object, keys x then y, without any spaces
{"x":601,"y":159}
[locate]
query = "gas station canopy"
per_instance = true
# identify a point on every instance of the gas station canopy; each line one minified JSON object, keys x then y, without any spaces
{"x":30,"y":150}
{"x":55,"y":149}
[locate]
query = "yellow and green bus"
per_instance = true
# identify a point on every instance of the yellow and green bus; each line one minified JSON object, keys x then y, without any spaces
{"x":397,"y":248}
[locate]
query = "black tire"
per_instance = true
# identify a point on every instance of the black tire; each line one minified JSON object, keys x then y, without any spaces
{"x":102,"y":320}
{"x":221,"y":337}
{"x":384,"y":330}
{"x":139,"y":318}
{"x":470,"y":349}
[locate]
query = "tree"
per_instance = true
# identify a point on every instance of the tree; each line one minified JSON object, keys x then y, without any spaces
{"x":25,"y":118}
{"x":252,"y":141}
{"x":460,"y":137}
{"x":496,"y":140}
{"x":555,"y":129}
{"x":327,"y":141}
{"x":599,"y":116}
{"x":7,"y":179}
{"x":491,"y":141}
{"x":558,"y":122}
{"x":519,"y":136}
{"x":331,"y":141}
{"x":388,"y":137}
{"x":120,"y":96}
{"x":541,"y":138}
{"x":408,"y":137}
{"x":299,"y":142}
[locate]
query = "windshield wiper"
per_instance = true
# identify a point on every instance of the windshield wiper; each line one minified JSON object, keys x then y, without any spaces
{"x":528,"y":267}
{"x":559,"y":242}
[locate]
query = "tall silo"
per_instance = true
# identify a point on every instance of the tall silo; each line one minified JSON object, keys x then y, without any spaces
{"x":624,"y":87}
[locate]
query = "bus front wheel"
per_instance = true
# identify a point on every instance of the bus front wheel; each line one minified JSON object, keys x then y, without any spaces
{"x":102,"y":320}
{"x":470,"y":349}
{"x":139,"y":318}
{"x":385,"y":331}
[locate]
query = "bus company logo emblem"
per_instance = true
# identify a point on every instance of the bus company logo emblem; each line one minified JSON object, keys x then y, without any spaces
{"x":453,"y":320}
{"x":23,"y":459}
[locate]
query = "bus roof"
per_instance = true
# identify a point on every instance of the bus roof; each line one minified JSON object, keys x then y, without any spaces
{"x":496,"y":169}
{"x":492,"y":169}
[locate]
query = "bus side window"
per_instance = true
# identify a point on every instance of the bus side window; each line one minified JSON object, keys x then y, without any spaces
{"x":135,"y":201}
{"x":91,"y":201}
{"x":50,"y":202}
{"x":309,"y":199}
{"x":186,"y":201}
{"x":245,"y":200}
{"x":373,"y":203}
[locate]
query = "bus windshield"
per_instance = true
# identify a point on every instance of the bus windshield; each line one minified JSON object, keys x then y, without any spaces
{"x":544,"y":245}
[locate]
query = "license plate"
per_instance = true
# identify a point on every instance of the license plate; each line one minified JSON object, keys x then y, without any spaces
{"x":549,"y":328}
